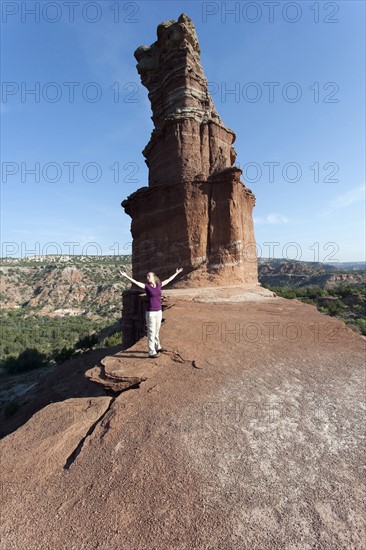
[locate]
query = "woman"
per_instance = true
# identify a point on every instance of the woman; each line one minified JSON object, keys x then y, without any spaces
{"x":154,"y":311}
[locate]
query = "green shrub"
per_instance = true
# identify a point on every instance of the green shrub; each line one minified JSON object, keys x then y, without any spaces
{"x":361,"y":324}
{"x":285,"y":292}
{"x":54,"y":336}
{"x":29,"y":359}
{"x":87,"y":342}
{"x":314,"y":292}
{"x":113,"y":340}
{"x":341,"y":290}
{"x":308,"y":301}
{"x":61,"y":355}
{"x":333,"y":307}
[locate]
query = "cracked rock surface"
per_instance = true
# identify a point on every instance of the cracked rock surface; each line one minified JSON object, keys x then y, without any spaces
{"x":246,"y":433}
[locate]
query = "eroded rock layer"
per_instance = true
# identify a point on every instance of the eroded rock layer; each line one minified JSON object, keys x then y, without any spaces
{"x":195,"y":213}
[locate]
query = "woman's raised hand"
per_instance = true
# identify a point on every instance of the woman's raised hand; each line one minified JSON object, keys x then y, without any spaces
{"x":178,"y":270}
{"x":123,"y":273}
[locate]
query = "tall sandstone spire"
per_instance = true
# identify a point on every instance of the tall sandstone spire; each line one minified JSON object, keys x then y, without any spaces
{"x":195,"y":212}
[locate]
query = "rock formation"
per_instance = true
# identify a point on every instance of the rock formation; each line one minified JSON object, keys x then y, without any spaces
{"x":195,"y":212}
{"x":254,"y":442}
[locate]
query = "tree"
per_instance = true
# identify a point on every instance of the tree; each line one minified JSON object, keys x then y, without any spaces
{"x":29,"y":359}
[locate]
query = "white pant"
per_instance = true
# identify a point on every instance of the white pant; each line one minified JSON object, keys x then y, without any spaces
{"x":153,"y":322}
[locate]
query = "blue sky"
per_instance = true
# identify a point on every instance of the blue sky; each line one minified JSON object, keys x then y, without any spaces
{"x":297,"y":106}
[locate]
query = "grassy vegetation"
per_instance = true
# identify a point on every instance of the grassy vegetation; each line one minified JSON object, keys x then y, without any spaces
{"x":345,"y":302}
{"x":30,"y":341}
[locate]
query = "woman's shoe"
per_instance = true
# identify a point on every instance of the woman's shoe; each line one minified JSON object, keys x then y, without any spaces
{"x":153,"y":356}
{"x":161,"y":349}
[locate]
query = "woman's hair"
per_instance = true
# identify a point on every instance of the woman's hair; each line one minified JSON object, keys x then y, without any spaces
{"x":157,"y":280}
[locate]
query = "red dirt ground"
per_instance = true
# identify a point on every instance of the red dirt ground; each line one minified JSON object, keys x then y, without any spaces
{"x":247,"y":434}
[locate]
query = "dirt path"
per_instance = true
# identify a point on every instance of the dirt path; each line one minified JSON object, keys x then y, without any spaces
{"x":245,"y":439}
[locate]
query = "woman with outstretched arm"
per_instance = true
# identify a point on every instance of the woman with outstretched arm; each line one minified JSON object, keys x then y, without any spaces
{"x":154,"y":312}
